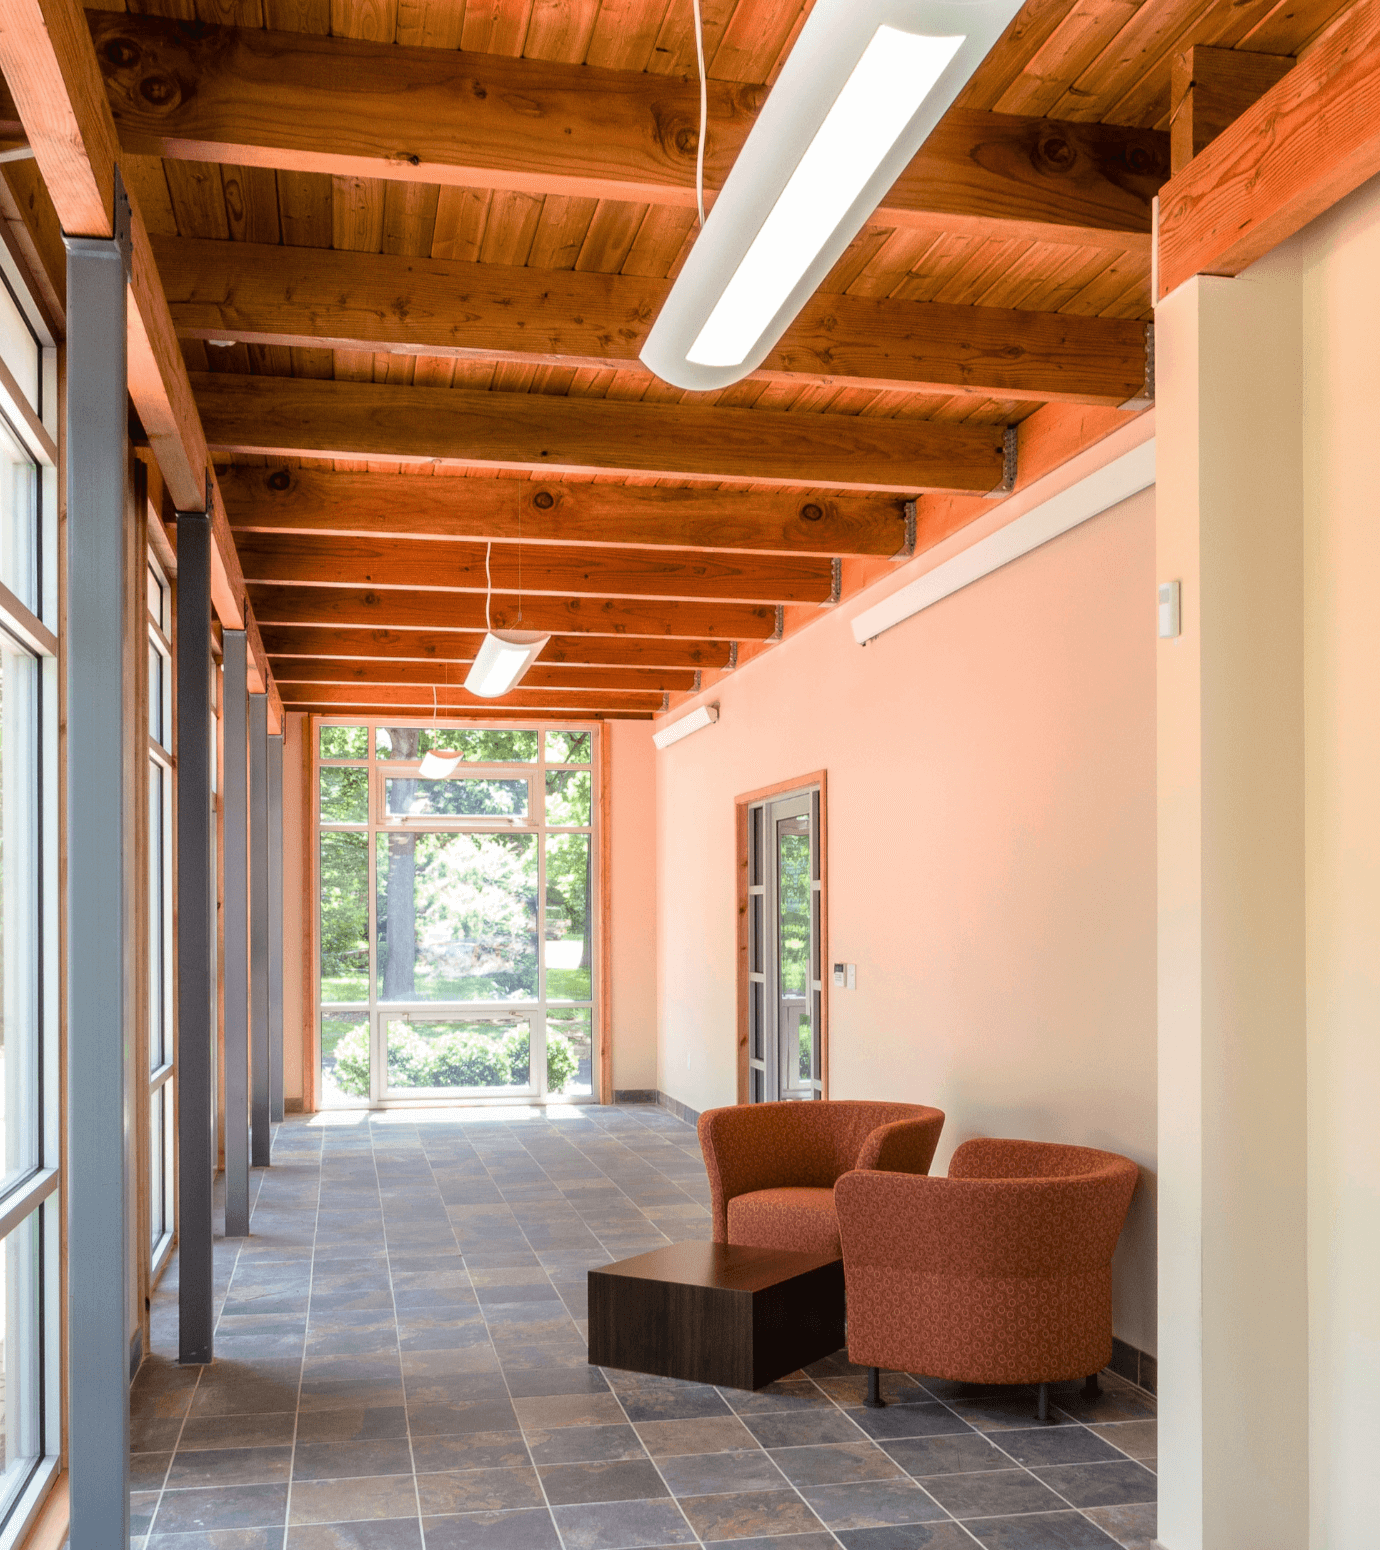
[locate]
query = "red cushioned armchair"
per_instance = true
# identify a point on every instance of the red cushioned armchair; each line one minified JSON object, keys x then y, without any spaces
{"x":772,"y":1166}
{"x":1000,"y":1273}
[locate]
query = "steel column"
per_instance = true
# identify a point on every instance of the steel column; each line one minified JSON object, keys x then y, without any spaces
{"x":196,"y":940}
{"x":275,"y":925}
{"x":100,"y":1024}
{"x":235,"y":816}
{"x":259,"y":1085}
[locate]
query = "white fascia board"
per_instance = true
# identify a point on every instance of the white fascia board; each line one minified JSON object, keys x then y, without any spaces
{"x":1099,"y":491}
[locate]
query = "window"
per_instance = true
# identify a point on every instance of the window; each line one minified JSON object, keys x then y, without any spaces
{"x":457,"y":902}
{"x":162,"y":1120}
{"x":30,"y":1365}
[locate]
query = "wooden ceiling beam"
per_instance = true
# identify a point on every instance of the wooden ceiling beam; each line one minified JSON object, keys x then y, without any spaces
{"x":1311,"y":139}
{"x":50,"y":68}
{"x":305,"y":417}
{"x":420,"y":714}
{"x":298,"y":500}
{"x":404,"y":697}
{"x":457,"y":646}
{"x":397,"y":610}
{"x":357,"y":109}
{"x":544,"y":675}
{"x":313,"y":298}
{"x":1210,"y":88}
{"x":445,"y":565}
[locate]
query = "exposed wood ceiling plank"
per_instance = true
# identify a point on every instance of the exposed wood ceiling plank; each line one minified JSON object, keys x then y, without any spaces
{"x":420,"y":712}
{"x":1211,"y":88}
{"x":543,"y":675}
{"x":306,"y":298}
{"x":447,"y":698}
{"x":297,"y":500}
{"x":50,"y":67}
{"x":288,"y":416}
{"x":357,"y":109}
{"x":423,"y":646}
{"x":447,"y":565}
{"x":397,"y":610}
{"x":1309,"y":141}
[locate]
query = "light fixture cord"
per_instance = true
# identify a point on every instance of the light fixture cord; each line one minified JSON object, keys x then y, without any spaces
{"x":704,"y":111}
{"x":488,"y":587}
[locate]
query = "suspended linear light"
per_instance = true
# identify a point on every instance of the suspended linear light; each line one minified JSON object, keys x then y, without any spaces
{"x":860,"y":93}
{"x":437,"y":763}
{"x":505,"y":655}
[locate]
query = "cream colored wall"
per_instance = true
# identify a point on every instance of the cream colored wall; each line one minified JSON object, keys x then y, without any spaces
{"x":1340,"y":283}
{"x":295,"y":813}
{"x":991,"y":836}
{"x":632,"y":903}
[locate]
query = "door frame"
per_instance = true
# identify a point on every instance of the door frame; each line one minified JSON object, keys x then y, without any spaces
{"x":741,"y":804}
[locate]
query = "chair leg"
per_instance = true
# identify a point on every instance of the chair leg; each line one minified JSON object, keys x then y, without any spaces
{"x":874,"y":1400}
{"x":1042,"y":1411}
{"x":1091,"y":1388}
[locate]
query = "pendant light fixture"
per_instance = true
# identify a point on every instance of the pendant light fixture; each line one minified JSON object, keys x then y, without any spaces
{"x":437,"y":763}
{"x":861,"y":91}
{"x":506,"y":654}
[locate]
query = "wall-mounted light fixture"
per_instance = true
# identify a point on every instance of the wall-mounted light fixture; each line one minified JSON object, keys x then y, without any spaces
{"x":861,"y":90}
{"x":702,"y":716}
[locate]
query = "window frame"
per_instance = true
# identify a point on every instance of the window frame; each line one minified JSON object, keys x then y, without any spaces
{"x":36,"y":1195}
{"x":535,"y":1012}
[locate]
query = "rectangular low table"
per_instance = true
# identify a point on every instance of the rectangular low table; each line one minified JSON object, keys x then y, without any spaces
{"x":716,"y":1313}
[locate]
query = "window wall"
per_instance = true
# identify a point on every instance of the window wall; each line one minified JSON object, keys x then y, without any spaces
{"x":162,"y":1119}
{"x":457,"y":912}
{"x":30,"y":1354}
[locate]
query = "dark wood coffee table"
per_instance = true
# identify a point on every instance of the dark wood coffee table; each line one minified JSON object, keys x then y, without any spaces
{"x":716,"y":1313}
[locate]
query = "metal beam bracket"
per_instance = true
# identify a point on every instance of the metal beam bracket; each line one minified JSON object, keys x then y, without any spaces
{"x":780,"y":629}
{"x":911,"y":513}
{"x":1146,"y":397}
{"x":1008,"y":466}
{"x":835,"y":583}
{"x":732,"y":656}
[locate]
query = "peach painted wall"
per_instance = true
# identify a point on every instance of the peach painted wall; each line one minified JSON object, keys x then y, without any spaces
{"x":632,"y":903}
{"x":991,"y":769}
{"x":294,"y":968}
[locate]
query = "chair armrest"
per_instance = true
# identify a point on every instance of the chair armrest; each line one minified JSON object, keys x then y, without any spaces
{"x":904,"y":1146}
{"x":746,"y":1148}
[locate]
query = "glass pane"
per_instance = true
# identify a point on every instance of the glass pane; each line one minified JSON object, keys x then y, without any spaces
{"x":155,"y":694}
{"x":569,"y":796}
{"x":344,"y":795}
{"x":570,"y":1053}
{"x":568,"y":747}
{"x":460,"y":797}
{"x":755,"y":1014}
{"x":19,"y":348}
{"x":155,"y":598}
{"x":457,"y":917}
{"x":344,"y":1059}
{"x":457,"y":1054}
{"x":793,"y":902}
{"x":475,"y":745}
{"x":169,"y":1167}
{"x":156,"y":1218}
{"x":20,"y":1411}
{"x":755,"y":934}
{"x":19,"y":484}
{"x":19,"y":919}
{"x":344,"y":742}
{"x":569,"y":918}
{"x":156,"y":935}
{"x":344,"y":917}
{"x":805,"y":1044}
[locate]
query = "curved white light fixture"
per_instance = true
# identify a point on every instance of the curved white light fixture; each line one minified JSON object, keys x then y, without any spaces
{"x":505,"y":654}
{"x":860,"y":93}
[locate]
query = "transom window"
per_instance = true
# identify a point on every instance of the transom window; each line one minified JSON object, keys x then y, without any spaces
{"x":457,"y":912}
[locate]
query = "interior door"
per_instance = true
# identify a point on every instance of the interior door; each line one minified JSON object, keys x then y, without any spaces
{"x":785,"y":989}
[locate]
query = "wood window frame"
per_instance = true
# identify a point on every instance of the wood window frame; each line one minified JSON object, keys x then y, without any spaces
{"x":741,"y":804}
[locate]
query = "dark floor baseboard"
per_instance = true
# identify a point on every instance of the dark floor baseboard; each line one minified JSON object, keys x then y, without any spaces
{"x":634,"y":1095}
{"x":1137,"y":1367}
{"x":679,"y":1109}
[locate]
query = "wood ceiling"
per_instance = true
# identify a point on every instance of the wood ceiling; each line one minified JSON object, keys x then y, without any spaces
{"x":411,"y":249}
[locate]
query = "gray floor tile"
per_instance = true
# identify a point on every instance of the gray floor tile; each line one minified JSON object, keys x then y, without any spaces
{"x":531,"y":1530}
{"x":871,"y":1502}
{"x":951,"y":1455}
{"x":479,"y":1490}
{"x":229,"y":1466}
{"x":907,"y":1536}
{"x":622,"y":1525}
{"x":381,"y":1534}
{"x":235,"y":1506}
{"x":834,"y":1463}
{"x":1041,"y":1531}
{"x":470,"y":1450}
{"x":749,"y":1514}
{"x":583,"y":1444}
{"x":716,"y":1474}
{"x":987,"y":1495}
{"x":1101,"y":1485}
{"x":351,"y":1460}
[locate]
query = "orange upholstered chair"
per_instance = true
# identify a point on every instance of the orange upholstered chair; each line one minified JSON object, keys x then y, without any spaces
{"x":1000,"y":1273}
{"x":772,"y":1166}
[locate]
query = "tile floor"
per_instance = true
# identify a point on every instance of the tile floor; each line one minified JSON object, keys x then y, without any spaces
{"x":401,"y":1363}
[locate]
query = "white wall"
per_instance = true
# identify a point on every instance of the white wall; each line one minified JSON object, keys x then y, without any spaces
{"x":991,"y":835}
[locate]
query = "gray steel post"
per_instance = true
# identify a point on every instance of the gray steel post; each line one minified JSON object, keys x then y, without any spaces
{"x":234,"y":812}
{"x":99,"y":795}
{"x":275,"y":925}
{"x":196,"y":941}
{"x":259,"y":1102}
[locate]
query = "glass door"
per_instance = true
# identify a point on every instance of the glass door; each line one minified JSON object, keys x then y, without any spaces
{"x":784,"y":985}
